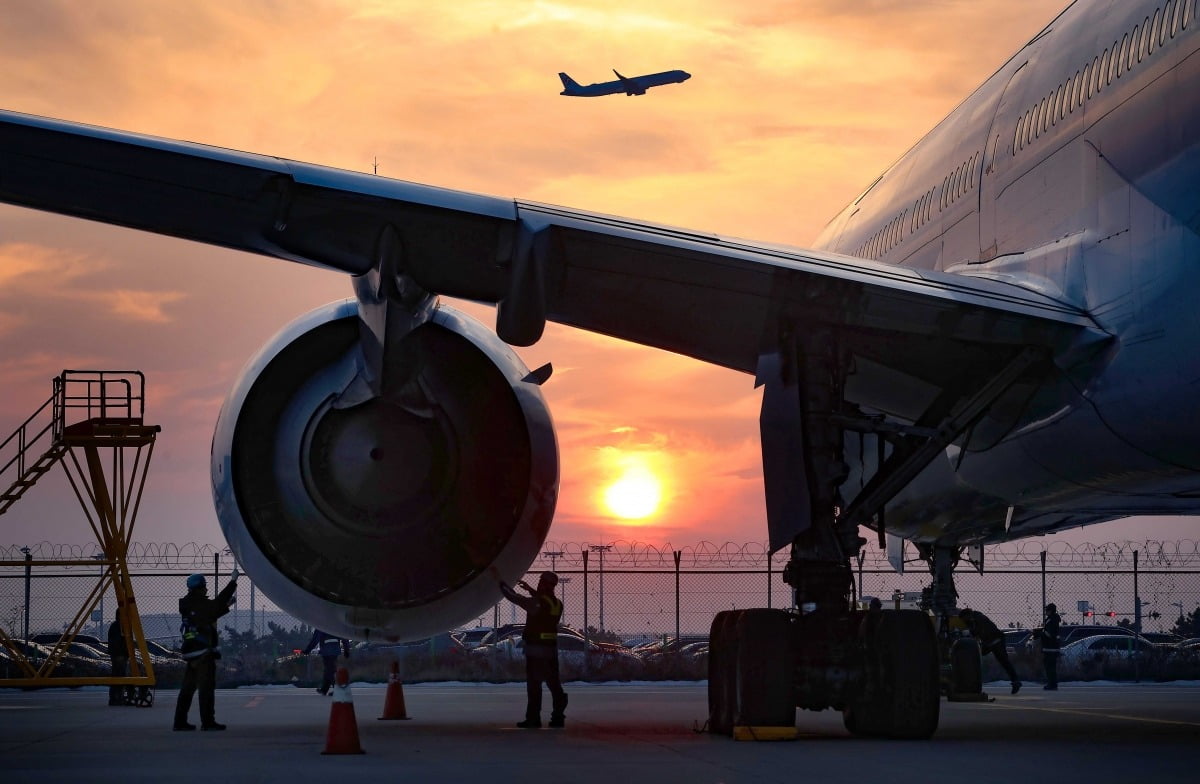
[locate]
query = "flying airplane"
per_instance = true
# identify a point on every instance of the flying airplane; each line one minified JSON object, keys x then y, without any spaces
{"x":630,"y":85}
{"x":996,"y":339}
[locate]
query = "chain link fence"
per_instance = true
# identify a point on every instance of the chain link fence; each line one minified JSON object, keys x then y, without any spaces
{"x":635,"y":592}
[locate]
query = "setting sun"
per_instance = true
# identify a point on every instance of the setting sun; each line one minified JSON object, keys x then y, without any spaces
{"x":635,"y":495}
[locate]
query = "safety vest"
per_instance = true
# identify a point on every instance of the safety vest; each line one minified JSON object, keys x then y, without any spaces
{"x":541,"y":628}
{"x":194,"y":642}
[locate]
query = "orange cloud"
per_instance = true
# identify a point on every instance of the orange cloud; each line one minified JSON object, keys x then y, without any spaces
{"x":141,"y":305}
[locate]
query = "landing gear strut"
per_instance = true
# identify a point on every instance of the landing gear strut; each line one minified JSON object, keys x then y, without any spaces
{"x":879,"y":667}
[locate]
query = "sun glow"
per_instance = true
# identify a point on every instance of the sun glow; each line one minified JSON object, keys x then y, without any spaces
{"x":637,"y":491}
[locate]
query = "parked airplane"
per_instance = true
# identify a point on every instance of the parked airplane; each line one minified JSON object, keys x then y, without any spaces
{"x":630,"y":85}
{"x":996,"y":339}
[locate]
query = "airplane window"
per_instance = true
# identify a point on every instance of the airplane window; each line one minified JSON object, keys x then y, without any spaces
{"x":1077,"y":93}
{"x":1176,"y":18}
{"x":1187,"y":13}
{"x":1131,"y":59}
{"x":1123,"y":55}
{"x":1056,"y":108}
{"x":1144,"y":43}
{"x":1030,"y":115}
{"x":1168,"y":13}
{"x":1086,"y":92}
{"x":1155,"y":30}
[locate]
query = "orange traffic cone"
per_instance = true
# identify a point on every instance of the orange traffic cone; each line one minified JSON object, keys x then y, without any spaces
{"x":393,"y":702}
{"x":342,"y":737}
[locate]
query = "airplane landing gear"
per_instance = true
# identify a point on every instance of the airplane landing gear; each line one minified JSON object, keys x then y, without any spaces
{"x":900,"y":697}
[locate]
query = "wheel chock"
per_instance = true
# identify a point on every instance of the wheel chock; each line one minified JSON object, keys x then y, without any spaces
{"x":765,"y":733}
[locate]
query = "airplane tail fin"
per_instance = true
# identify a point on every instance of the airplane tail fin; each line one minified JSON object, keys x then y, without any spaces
{"x":567,"y":81}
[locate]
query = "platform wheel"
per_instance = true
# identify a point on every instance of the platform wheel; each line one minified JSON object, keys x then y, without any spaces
{"x":902,"y":695}
{"x":722,"y":672}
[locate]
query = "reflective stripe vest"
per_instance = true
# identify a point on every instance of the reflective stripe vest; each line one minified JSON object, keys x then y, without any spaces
{"x":541,"y":627}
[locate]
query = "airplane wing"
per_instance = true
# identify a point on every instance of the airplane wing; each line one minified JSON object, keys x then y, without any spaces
{"x":936,"y":352}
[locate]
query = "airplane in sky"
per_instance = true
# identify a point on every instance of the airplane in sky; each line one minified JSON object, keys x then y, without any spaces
{"x":996,"y":339}
{"x":630,"y":85}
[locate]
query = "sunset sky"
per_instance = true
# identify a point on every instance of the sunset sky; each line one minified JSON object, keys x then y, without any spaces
{"x":792,"y":109}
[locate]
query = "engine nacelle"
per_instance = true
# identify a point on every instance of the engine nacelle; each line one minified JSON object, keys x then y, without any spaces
{"x":385,"y":519}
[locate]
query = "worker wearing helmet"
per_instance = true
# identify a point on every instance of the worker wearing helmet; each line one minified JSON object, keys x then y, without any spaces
{"x":200,"y":651}
{"x":541,"y":649}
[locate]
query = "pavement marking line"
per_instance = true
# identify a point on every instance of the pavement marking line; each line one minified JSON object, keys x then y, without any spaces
{"x":1094,"y":714}
{"x":255,"y":702}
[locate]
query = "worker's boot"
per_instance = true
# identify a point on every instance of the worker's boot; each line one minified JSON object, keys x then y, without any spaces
{"x":557,"y":719}
{"x":530,"y":723}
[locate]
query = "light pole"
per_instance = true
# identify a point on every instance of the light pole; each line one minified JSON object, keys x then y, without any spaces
{"x":553,"y":555}
{"x":602,"y":549}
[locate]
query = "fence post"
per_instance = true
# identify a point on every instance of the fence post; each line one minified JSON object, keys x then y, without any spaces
{"x":584,"y":553}
{"x":768,"y":577}
{"x":28,"y":574}
{"x":678,"y":554}
{"x":1042,"y":556}
{"x":1137,"y":597}
{"x":861,"y":556}
{"x":1137,"y":621}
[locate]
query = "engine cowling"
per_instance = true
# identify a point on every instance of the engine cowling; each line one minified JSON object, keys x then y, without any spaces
{"x":380,"y":519}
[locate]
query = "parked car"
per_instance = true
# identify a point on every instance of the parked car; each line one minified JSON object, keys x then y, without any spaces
{"x":69,"y":664}
{"x":472,"y":638}
{"x":576,"y":656}
{"x":1018,"y":640}
{"x":1103,"y":649}
{"x":51,"y":639}
{"x":1070,"y":634}
{"x":161,"y":651}
{"x":1163,"y":638}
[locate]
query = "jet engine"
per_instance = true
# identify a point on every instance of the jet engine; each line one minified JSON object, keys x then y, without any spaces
{"x":385,"y":517}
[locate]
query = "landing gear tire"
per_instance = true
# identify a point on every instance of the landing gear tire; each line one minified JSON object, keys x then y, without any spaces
{"x":765,"y":696}
{"x":722,"y":672}
{"x":902,"y":695}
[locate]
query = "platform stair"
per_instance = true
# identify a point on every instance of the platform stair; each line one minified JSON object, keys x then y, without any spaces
{"x":92,"y":425}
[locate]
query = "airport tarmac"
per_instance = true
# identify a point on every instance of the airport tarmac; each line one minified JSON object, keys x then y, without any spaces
{"x":616,"y":732}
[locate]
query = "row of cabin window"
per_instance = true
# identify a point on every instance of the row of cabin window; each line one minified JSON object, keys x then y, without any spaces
{"x":956,"y":184}
{"x":1152,"y":33}
{"x":885,"y":239}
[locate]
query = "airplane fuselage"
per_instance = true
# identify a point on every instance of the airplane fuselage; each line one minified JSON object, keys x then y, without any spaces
{"x":1071,"y":171}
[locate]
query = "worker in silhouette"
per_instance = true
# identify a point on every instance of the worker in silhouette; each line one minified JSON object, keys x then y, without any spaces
{"x":118,"y":654}
{"x":1048,"y":635}
{"x":200,"y":651}
{"x":991,"y":640}
{"x":328,"y":646}
{"x":541,"y":649}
